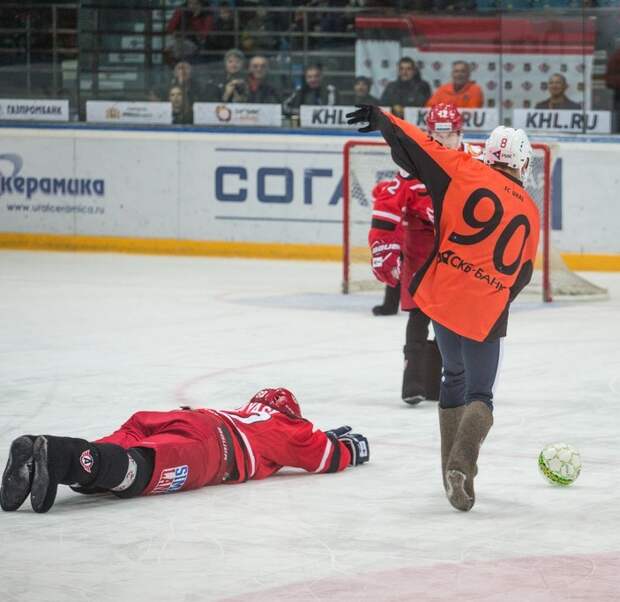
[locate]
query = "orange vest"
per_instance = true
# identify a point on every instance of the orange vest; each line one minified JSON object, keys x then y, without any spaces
{"x":486,"y":234}
{"x":468,"y":97}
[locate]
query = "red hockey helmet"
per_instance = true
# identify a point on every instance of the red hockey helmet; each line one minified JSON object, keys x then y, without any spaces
{"x":279,"y":399}
{"x":444,"y":117}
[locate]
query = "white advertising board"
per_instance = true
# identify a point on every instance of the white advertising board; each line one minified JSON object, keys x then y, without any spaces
{"x":218,"y":113}
{"x":13,"y":109}
{"x":129,"y":112}
{"x":474,"y":120}
{"x":240,"y":187}
{"x":311,"y":116}
{"x":589,"y":122}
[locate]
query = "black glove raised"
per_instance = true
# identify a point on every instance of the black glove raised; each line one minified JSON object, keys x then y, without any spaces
{"x":364,"y":113}
{"x":356,"y":444}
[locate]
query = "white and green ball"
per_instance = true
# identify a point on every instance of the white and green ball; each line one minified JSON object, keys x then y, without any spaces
{"x":560,"y":463}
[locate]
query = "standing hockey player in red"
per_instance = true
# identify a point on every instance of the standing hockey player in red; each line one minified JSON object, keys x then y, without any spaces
{"x":403,"y":227}
{"x":165,"y":452}
{"x":486,"y":237}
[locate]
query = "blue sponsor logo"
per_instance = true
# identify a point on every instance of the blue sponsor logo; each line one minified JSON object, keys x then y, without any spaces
{"x":232,"y":184}
{"x":11,"y":182}
{"x":172,"y":479}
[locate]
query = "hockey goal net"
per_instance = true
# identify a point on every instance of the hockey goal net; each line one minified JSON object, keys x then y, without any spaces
{"x":368,"y":162}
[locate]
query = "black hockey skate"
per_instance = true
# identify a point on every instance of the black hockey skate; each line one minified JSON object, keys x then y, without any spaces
{"x":391,"y":301}
{"x":44,"y":485}
{"x":17,"y":477}
{"x":413,"y":391}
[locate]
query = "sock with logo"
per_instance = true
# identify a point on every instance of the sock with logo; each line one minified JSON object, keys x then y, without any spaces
{"x":70,"y":461}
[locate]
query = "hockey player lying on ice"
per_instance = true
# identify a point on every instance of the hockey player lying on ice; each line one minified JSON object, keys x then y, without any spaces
{"x":164,"y":452}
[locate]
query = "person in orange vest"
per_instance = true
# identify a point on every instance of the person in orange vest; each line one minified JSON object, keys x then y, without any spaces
{"x":403,"y":218}
{"x":462,"y":92}
{"x":486,"y":237}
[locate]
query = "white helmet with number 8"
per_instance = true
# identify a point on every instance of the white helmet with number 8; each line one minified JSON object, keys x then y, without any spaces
{"x":509,"y":147}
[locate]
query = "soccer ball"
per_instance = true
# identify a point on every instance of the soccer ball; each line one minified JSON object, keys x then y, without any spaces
{"x":560,"y":463}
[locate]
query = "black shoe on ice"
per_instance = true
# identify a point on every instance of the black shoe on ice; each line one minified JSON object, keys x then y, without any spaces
{"x":17,"y":477}
{"x":44,"y":483}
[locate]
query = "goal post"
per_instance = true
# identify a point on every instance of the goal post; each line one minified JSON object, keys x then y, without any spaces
{"x":366,"y":162}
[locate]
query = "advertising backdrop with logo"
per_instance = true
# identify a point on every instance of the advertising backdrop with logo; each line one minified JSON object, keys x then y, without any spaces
{"x":129,"y":112}
{"x":592,"y":122}
{"x":219,"y":113}
{"x":239,"y":187}
{"x":14,"y":109}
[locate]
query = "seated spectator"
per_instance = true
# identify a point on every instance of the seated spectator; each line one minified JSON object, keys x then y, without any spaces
{"x":223,"y":37}
{"x":461,"y":92}
{"x":361,"y":88}
{"x":254,"y":37}
{"x":232,"y":85}
{"x":193,"y":91}
{"x":181,"y":110}
{"x":409,"y":90}
{"x":259,"y":89}
{"x":190,"y":25}
{"x":312,"y":92}
{"x":557,"y":87}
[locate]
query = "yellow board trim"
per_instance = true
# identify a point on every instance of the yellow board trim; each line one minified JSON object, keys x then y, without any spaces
{"x":220,"y":248}
{"x":592,"y":263}
{"x":167,"y":246}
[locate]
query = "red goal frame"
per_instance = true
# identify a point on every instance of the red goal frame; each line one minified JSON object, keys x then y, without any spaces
{"x":546,"y":213}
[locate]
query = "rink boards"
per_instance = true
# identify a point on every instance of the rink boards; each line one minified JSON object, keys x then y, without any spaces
{"x":239,"y":194}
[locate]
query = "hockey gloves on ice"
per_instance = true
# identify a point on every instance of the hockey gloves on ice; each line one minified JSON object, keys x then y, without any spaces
{"x":364,"y":113}
{"x":356,"y":444}
{"x":385,"y":261}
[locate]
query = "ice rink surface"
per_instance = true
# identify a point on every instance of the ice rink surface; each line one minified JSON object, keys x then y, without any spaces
{"x":89,"y":339}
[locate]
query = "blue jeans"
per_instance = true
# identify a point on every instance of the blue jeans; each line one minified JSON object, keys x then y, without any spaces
{"x":469,"y":368}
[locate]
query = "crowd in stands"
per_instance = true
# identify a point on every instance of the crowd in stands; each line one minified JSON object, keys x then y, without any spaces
{"x":227,"y":51}
{"x":198,"y":28}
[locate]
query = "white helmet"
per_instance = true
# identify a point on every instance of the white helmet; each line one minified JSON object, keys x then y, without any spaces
{"x":510,"y":147}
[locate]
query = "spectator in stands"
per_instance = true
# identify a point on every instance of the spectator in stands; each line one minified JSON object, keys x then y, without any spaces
{"x":361,"y":90}
{"x":191,"y":25}
{"x":254,"y":36}
{"x":181,"y":109}
{"x":409,"y":90}
{"x":233,"y":87}
{"x":223,"y":37}
{"x":259,"y":88}
{"x":193,"y":91}
{"x":462,"y":91}
{"x":312,"y":92}
{"x":557,"y":87}
{"x":612,"y":79}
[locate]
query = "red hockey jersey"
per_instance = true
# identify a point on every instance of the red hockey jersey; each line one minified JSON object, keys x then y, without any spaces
{"x":402,"y":209}
{"x":272,"y":440}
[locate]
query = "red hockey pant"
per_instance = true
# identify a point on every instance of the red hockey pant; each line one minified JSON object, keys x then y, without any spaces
{"x":189,"y":447}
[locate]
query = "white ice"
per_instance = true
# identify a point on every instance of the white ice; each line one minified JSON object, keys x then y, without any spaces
{"x":89,"y":339}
